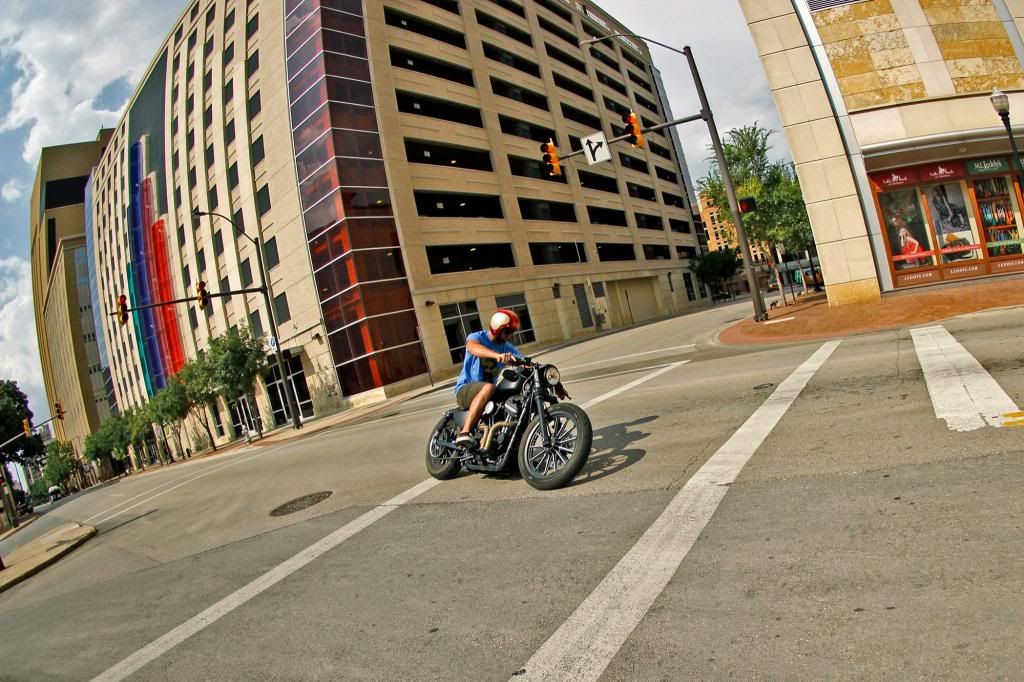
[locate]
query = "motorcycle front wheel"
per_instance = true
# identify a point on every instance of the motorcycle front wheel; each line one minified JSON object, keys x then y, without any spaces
{"x":438,"y":463}
{"x":547,"y":467}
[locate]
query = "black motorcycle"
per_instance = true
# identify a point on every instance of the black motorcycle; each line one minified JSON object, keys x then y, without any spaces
{"x":524,"y":425}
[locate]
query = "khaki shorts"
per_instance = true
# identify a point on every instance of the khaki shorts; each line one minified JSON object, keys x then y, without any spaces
{"x":464,"y":396}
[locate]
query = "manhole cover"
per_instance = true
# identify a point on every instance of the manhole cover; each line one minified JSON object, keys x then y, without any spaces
{"x":761,"y":387}
{"x":300,"y":503}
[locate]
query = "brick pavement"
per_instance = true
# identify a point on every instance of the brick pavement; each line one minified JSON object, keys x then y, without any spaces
{"x":812,"y":318}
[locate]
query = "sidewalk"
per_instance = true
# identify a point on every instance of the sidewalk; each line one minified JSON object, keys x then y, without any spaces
{"x":812,"y":318}
{"x":38,"y":554}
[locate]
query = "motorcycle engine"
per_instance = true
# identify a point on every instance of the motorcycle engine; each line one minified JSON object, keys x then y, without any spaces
{"x":513,"y":406}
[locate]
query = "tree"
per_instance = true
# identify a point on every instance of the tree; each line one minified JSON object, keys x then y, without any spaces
{"x":715,"y":267}
{"x":13,"y":410}
{"x":781,"y":216}
{"x":169,"y":407}
{"x":236,"y":359}
{"x":196,"y":379}
{"x":60,"y":463}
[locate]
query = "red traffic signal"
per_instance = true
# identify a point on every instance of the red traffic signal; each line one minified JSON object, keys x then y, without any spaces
{"x":550,"y":158}
{"x":747,"y":204}
{"x":122,"y":310}
{"x":58,"y":410}
{"x":636,"y":135}
{"x":202,"y":296}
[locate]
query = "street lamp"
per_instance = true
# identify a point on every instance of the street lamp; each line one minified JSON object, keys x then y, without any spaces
{"x":716,"y":142}
{"x":1001,"y":103}
{"x":266,"y":290}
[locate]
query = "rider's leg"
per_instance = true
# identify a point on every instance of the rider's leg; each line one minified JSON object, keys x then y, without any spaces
{"x":476,"y":408}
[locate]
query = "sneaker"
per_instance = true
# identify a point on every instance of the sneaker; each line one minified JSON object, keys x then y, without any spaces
{"x":465,"y":440}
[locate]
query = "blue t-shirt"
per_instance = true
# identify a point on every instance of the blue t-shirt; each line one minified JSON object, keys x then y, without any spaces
{"x":483,"y":369}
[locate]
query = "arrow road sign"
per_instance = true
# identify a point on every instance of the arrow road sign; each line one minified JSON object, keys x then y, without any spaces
{"x":595,"y":148}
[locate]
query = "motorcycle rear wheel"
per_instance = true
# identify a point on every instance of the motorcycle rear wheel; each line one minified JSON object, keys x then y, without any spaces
{"x":548,"y":468}
{"x":438,"y":464}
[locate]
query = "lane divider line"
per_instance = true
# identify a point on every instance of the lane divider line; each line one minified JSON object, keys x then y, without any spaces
{"x":589,"y":639}
{"x":162,"y":645}
{"x":631,"y":355}
{"x":963,"y":393}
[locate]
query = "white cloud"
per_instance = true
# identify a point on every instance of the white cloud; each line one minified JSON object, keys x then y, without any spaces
{"x":20,"y":357}
{"x":12,"y":190}
{"x":67,"y":52}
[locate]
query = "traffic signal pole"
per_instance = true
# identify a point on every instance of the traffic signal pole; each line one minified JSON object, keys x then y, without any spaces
{"x":706,"y":114}
{"x":9,"y":510}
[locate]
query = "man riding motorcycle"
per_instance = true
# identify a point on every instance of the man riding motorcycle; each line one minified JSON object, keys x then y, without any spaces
{"x":487,"y":353}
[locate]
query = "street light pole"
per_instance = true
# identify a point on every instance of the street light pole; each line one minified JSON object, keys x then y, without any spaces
{"x":1001,"y":103}
{"x":716,"y":142}
{"x":266,"y":290}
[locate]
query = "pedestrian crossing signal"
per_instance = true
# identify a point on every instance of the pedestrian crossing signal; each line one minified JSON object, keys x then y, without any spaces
{"x":636,"y":135}
{"x":550,"y":158}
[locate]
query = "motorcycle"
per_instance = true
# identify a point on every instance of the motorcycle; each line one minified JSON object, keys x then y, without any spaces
{"x":524,"y":426}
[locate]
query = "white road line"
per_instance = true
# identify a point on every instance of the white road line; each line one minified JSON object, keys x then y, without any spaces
{"x":618,"y":374}
{"x":781,"y":319}
{"x":164,"y":492}
{"x":275,"y":575}
{"x":585,"y":643}
{"x":257,"y":586}
{"x":962,"y":392}
{"x":631,"y":355}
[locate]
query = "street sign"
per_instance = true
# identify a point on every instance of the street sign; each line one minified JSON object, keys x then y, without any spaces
{"x":595,"y":148}
{"x":272,"y":342}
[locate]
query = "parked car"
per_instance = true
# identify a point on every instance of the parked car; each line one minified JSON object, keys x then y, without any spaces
{"x":21,"y":502}
{"x":55,"y":493}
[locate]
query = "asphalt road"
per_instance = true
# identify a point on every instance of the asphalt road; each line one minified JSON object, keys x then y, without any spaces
{"x":793,"y":512}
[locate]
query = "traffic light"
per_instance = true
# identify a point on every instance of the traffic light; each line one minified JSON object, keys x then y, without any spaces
{"x":202,"y":295}
{"x":58,"y":410}
{"x":550,"y":158}
{"x":636,"y":136}
{"x":122,"y":310}
{"x":747,"y":204}
{"x":27,"y":427}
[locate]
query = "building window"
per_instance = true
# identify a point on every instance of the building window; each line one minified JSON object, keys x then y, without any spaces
{"x":657,"y":252}
{"x":252,"y":26}
{"x":519,"y":94}
{"x":443,"y":204}
{"x":270,"y":253}
{"x":229,"y":133}
{"x":211,"y":197}
{"x":540,"y":209}
{"x":421,"y":105}
{"x":200,"y":261}
{"x":666,"y":175}
{"x":565,"y":58}
{"x":673,"y":200}
{"x":245,"y":273}
{"x":228,"y":54}
{"x":604,"y":59}
{"x":691,"y":293}
{"x":256,"y":323}
{"x":554,"y":8}
{"x":252,"y":64}
{"x":610,"y":251}
{"x":209,"y":156}
{"x":422,"y":151}
{"x":517,"y":304}
{"x":598,"y":181}
{"x":192,"y":318}
{"x":404,"y":59}
{"x":192,"y":178}
{"x":233,"y":176}
{"x":529,"y":131}
{"x":459,"y":320}
{"x":532,"y":168}
{"x":641,"y":192}
{"x":263,"y":200}
{"x":218,"y":243}
{"x":499,"y":26}
{"x":511,"y":7}
{"x":469,"y":257}
{"x":677,"y":225}
{"x":633,"y":163}
{"x":281,"y":312}
{"x":208,"y":47}
{"x":229,"y":20}
{"x":572,"y":86}
{"x":556,"y":30}
{"x":610,"y":82}
{"x":424,"y":28}
{"x":582,"y":117}
{"x":255,"y":105}
{"x":190,"y":104}
{"x":257,"y":152}
{"x":606,"y":216}
{"x":509,"y":59}
{"x":646,"y":221}
{"x":556,"y":253}
{"x":186,"y":278}
{"x":448,"y":5}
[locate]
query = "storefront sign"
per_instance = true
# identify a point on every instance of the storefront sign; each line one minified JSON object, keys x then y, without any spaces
{"x":892,"y":179}
{"x":986,"y":166}
{"x":940,"y":172}
{"x":1008,"y":265}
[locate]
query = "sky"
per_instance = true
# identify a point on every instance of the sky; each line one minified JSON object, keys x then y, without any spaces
{"x":67,"y":69}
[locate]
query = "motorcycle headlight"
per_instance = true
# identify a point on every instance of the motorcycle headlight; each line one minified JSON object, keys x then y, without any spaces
{"x":551,"y":375}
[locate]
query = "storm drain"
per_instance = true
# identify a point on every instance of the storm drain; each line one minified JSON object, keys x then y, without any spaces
{"x":300,"y":503}
{"x":761,"y":387}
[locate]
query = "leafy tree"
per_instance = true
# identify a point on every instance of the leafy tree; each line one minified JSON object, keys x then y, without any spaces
{"x":169,"y":407}
{"x":13,"y":409}
{"x":715,"y":267}
{"x":196,"y":379}
{"x":37,"y":491}
{"x":236,"y":359}
{"x":781,"y":216}
{"x":60,"y":463}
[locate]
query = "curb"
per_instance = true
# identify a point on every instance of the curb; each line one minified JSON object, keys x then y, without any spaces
{"x":22,"y":570}
{"x":21,"y":524}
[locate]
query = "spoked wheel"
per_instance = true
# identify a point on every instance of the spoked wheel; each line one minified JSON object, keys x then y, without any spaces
{"x":439,"y":462}
{"x":547,"y":467}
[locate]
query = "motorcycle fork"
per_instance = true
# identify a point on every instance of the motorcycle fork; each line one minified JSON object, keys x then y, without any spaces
{"x":539,"y":399}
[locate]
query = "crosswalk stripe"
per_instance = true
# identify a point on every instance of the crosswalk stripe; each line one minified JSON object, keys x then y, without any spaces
{"x":963,"y":393}
{"x":586,"y":643}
